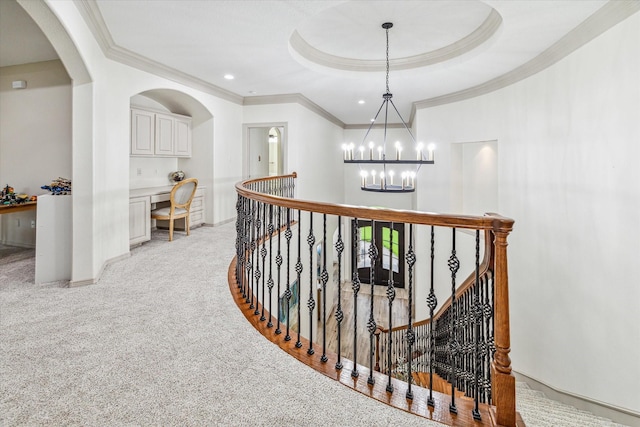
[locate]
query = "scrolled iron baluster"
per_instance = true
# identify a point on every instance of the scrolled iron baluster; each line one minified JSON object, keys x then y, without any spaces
{"x":263,"y":254}
{"x":339,"y":245}
{"x":258,"y":272}
{"x":324,"y":278}
{"x":311,"y":303}
{"x":278,"y":265}
{"x":477,"y":318}
{"x":432,"y":302}
{"x":411,"y":337}
{"x":239,"y":246}
{"x":251,"y":247}
{"x":391,"y":296}
{"x":371,"y":324}
{"x":270,"y":282}
{"x":355,"y":285}
{"x":299,"y":269}
{"x":454,"y":345}
{"x":287,"y":293}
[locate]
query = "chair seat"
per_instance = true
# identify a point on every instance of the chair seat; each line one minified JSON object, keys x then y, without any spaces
{"x":167,"y":211}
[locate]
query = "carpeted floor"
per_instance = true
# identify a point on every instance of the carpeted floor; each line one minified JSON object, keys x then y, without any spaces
{"x":158,"y":341}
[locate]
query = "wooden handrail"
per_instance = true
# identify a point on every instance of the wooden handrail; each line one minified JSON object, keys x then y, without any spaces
{"x":490,"y":221}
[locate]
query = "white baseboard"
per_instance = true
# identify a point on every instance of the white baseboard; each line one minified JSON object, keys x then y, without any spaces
{"x":77,"y":283}
{"x":226,"y":221}
{"x":601,"y":409}
{"x":18,"y":244}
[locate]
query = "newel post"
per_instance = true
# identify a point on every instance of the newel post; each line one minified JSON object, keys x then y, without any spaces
{"x":503,"y":382}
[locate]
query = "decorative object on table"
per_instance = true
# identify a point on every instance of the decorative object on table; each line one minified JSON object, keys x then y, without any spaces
{"x":177,"y":176}
{"x":383,"y":162}
{"x":8,"y":196}
{"x":59,"y":187}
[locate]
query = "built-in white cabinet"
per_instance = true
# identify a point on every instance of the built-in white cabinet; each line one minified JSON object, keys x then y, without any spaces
{"x":182,"y":140}
{"x":160,"y":134}
{"x":139,"y":220}
{"x":142,"y":133}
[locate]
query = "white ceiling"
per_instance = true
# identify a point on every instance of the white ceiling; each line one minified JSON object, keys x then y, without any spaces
{"x":331,"y":52}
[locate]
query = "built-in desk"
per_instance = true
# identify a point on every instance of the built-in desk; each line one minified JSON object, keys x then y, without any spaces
{"x":18,"y":207}
{"x":143,"y":200}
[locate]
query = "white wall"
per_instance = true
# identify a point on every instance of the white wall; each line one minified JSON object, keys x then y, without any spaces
{"x":567,"y":138}
{"x":101,"y":205}
{"x":35,"y":138}
{"x":312,"y":149}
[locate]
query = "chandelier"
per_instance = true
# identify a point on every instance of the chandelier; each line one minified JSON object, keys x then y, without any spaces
{"x":389,"y":173}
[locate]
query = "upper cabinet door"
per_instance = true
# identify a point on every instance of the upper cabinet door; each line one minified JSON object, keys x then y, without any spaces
{"x":142,"y":132}
{"x":182,"y":140}
{"x":164,"y":135}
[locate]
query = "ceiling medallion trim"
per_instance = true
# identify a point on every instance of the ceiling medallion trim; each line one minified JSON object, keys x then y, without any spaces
{"x":299,"y":47}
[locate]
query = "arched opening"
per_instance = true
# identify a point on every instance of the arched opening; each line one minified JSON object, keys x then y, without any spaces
{"x":73,"y":253}
{"x":149,"y":171}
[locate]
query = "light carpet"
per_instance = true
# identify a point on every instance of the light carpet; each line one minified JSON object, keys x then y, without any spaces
{"x":159,"y":341}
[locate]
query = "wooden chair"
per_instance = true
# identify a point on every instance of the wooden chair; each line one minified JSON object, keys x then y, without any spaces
{"x":181,"y":196}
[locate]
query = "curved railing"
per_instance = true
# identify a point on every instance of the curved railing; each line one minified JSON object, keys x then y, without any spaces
{"x":360,"y":270}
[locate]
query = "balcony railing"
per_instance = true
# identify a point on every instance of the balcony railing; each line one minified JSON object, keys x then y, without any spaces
{"x":354,"y":292}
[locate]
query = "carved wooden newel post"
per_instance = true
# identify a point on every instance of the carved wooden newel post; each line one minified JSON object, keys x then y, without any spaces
{"x":503,"y":382}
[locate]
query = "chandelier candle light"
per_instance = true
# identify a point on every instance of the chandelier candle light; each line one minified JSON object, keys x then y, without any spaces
{"x":408,"y":177}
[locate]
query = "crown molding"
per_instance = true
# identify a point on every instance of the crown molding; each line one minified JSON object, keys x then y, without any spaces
{"x":471,"y":41}
{"x":293,"y":98}
{"x":609,"y":15}
{"x":93,"y":17}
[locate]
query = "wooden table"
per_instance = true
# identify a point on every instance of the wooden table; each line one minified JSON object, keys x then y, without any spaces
{"x":27,"y":206}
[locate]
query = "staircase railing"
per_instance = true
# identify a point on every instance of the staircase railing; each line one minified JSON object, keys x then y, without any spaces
{"x":292,"y":252}
{"x":473,"y":325}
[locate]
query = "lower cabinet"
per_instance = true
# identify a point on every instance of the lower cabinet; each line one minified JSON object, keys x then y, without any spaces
{"x":139,"y":220}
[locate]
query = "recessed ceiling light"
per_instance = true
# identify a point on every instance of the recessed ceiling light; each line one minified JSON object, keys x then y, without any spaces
{"x":252,"y":92}
{"x":229,"y":76}
{"x":361,"y":102}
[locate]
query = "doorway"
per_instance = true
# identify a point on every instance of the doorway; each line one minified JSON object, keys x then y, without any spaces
{"x":264,"y":150}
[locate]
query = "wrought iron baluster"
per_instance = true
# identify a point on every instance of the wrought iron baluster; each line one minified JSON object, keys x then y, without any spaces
{"x":391,"y":296}
{"x":324,"y":278}
{"x":339,"y":245}
{"x":311,"y":303}
{"x":491,"y":319}
{"x":270,"y":280}
{"x":299,"y":269}
{"x":287,"y":293}
{"x":477,"y":318}
{"x":245,"y":246}
{"x":355,"y":285}
{"x":239,"y":233}
{"x":432,"y":302}
{"x":411,"y":337}
{"x":454,"y":345}
{"x":263,"y":254}
{"x":252,"y":245}
{"x":258,"y":272}
{"x":278,"y":265}
{"x":371,"y":324}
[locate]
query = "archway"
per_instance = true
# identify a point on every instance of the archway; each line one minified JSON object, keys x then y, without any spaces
{"x":199,"y":165}
{"x":83,"y":263}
